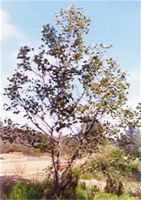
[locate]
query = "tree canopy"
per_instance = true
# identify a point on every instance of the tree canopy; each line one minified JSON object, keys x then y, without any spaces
{"x":65,"y":81}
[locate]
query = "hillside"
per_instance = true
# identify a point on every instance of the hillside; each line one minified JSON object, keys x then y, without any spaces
{"x":20,"y":140}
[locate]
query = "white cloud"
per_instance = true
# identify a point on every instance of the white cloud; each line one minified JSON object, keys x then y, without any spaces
{"x":7,"y":29}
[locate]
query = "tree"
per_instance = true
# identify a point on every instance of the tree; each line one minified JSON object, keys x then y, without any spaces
{"x":66,"y":85}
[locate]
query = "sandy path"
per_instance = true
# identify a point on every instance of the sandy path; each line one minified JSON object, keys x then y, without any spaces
{"x":24,"y":166}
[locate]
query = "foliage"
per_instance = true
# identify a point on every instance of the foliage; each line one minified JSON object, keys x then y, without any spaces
{"x":43,"y":146}
{"x":81,"y":193}
{"x":22,"y":191}
{"x":108,"y":196}
{"x":94,"y":194}
{"x":113,"y":161}
{"x":131,"y":117}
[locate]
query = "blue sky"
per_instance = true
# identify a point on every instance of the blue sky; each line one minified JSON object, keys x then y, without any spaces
{"x":112,"y":22}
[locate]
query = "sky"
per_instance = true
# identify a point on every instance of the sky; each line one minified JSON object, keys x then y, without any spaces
{"x":112,"y":22}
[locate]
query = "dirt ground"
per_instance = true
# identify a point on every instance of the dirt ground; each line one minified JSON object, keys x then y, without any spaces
{"x":29,"y":167}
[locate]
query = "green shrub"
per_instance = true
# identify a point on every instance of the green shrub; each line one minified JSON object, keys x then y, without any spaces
{"x":134,"y":165}
{"x":113,"y":161}
{"x":117,"y":154}
{"x":81,"y":193}
{"x":108,"y":196}
{"x":18,"y":192}
{"x":24,"y":191}
{"x":76,"y":171}
{"x":84,"y":193}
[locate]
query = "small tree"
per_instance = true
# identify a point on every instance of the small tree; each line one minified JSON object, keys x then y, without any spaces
{"x":65,"y":86}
